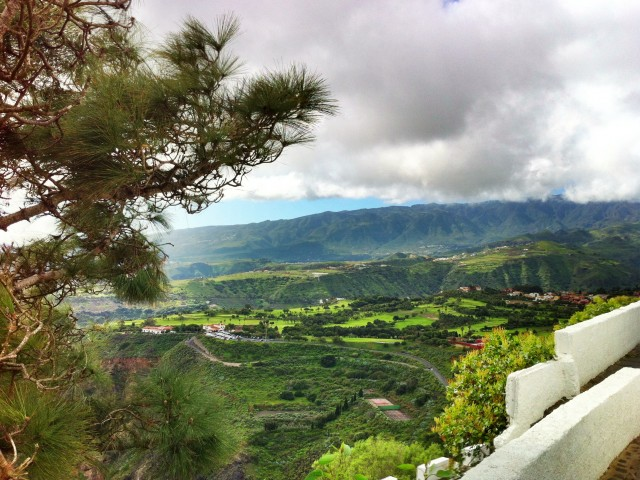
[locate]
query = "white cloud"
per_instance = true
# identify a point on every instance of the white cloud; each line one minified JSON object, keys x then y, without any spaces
{"x":483,"y":99}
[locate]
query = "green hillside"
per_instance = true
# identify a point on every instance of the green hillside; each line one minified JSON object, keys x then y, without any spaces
{"x":575,"y":260}
{"x":568,"y":260}
{"x":428,"y":230}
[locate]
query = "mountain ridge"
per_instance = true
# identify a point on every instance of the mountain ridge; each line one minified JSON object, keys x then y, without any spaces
{"x":426,"y":229}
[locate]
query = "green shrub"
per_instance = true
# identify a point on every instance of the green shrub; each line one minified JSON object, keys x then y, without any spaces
{"x":390,"y":385}
{"x":287,"y":395}
{"x":270,"y":425}
{"x":598,"y":307}
{"x":299,"y":385}
{"x":476,"y":412}
{"x":421,"y":400}
{"x":373,"y":458}
{"x":328,"y":361}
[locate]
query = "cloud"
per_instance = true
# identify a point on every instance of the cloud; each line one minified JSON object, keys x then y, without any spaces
{"x":454,"y":101}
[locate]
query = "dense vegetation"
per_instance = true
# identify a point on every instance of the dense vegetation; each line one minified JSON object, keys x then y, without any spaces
{"x":288,"y":404}
{"x":300,"y":400}
{"x":430,"y":319}
{"x":598,"y":307}
{"x":476,"y":411}
{"x":576,"y":260}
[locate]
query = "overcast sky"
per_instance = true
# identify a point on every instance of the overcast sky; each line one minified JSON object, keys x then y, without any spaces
{"x":448,"y":102}
{"x":440,"y":101}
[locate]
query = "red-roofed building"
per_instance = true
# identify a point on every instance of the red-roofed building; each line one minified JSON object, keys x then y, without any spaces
{"x":217,"y":327}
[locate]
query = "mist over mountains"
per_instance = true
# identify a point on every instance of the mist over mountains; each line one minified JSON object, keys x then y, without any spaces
{"x":429,"y":230}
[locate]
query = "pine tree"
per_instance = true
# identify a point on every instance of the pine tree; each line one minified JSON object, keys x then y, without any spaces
{"x":175,"y":427}
{"x":102,"y":136}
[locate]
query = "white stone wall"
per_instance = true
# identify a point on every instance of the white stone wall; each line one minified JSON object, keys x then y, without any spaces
{"x":578,"y":440}
{"x":583,"y":351}
{"x":597,"y":343}
{"x":428,"y":471}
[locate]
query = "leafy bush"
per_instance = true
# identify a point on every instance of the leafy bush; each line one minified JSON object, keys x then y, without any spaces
{"x":476,"y":412}
{"x":328,"y":361}
{"x":373,"y":458}
{"x":598,"y":307}
{"x":388,"y":386}
{"x":270,"y":425}
{"x":299,"y":385}
{"x":287,"y":395}
{"x":421,"y":400}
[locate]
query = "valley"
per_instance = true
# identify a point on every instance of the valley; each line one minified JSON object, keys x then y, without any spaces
{"x":316,"y":347}
{"x":285,"y":404}
{"x":320,"y":375}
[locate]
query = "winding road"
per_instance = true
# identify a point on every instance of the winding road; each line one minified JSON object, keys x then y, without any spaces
{"x":196,"y":345}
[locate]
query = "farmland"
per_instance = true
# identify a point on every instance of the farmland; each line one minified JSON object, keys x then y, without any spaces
{"x":435,"y":317}
{"x":307,"y":387}
{"x":283,"y":401}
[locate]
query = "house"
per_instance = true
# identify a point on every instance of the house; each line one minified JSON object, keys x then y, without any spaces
{"x":157,"y":330}
{"x":474,"y":344}
{"x":470,"y":288}
{"x":217,"y":327}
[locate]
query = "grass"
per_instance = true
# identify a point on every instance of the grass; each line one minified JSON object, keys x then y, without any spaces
{"x":392,"y":341}
{"x":424,"y":314}
{"x":252,"y":393}
{"x":414,"y":321}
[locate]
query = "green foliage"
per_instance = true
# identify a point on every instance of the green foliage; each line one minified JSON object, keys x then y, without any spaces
{"x":179,"y":429}
{"x":328,"y":361}
{"x":287,"y":395}
{"x":304,"y":429}
{"x":52,"y":433}
{"x":598,"y":307}
{"x":373,"y":458}
{"x":476,"y":410}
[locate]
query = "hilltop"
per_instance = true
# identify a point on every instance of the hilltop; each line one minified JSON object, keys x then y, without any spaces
{"x":428,"y":230}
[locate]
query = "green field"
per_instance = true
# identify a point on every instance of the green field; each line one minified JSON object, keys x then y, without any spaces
{"x":252,"y":394}
{"x":457,"y":313}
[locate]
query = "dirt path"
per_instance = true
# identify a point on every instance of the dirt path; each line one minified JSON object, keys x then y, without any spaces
{"x":196,"y":345}
{"x":430,"y":366}
{"x":425,"y":363}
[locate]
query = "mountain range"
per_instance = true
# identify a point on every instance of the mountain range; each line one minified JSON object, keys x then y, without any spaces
{"x":426,"y":229}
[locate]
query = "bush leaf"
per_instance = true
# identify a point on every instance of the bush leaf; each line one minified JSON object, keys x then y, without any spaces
{"x":313,"y":475}
{"x":326,"y":459}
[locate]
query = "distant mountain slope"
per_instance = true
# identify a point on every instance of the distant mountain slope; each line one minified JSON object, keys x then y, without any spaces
{"x":568,"y":260}
{"x":431,"y":229}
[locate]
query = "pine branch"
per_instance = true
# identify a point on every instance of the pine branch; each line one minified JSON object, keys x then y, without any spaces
{"x":37,"y":279}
